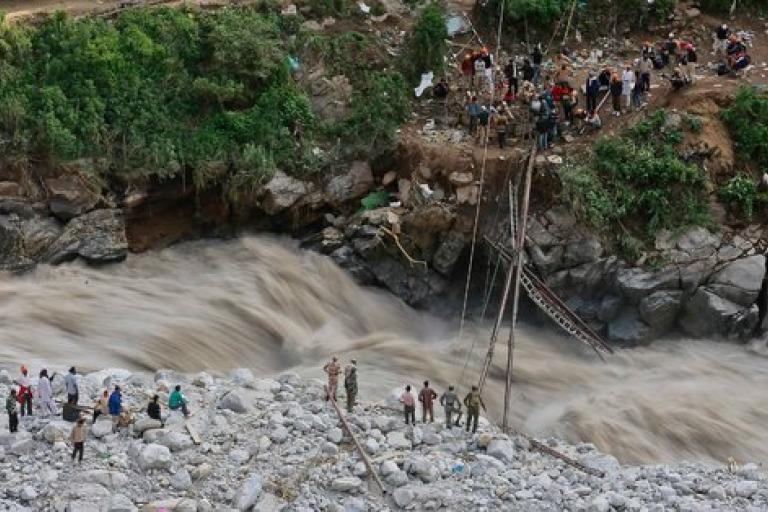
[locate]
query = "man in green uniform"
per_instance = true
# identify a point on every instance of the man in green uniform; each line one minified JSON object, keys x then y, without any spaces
{"x":350,"y":383}
{"x":450,"y":401}
{"x":473,"y":401}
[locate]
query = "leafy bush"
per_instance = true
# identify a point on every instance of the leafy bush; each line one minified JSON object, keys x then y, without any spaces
{"x":724,"y":6}
{"x":637,"y":181}
{"x":427,"y":47}
{"x":747,"y":119}
{"x":740,"y":193}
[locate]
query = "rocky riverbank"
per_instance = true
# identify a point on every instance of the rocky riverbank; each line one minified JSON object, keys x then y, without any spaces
{"x":275,"y":444}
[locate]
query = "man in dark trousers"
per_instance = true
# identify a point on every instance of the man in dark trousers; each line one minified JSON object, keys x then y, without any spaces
{"x":473,"y":401}
{"x":537,"y":58}
{"x":350,"y":383}
{"x":12,"y":408}
{"x":427,"y":397}
{"x":78,"y":439}
{"x":450,"y":401}
{"x":593,"y":90}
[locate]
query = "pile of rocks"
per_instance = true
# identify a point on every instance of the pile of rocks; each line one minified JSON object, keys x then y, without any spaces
{"x":266,"y":445}
{"x":706,"y":284}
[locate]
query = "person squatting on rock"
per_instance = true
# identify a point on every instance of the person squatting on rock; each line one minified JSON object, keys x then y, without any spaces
{"x":12,"y":409}
{"x":45,"y":392}
{"x":101,"y":406}
{"x":153,"y":409}
{"x":24,"y":394}
{"x":473,"y":401}
{"x":70,"y":381}
{"x":409,"y":405}
{"x":451,"y":403}
{"x":115,"y":407}
{"x":333,"y":369}
{"x":427,"y":397}
{"x":78,"y":439}
{"x":350,"y":383}
{"x":177,"y":401}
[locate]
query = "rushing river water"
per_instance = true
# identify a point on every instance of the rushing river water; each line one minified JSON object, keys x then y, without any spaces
{"x":262,"y":303}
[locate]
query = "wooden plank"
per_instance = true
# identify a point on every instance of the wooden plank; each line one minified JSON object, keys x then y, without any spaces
{"x":193,"y":433}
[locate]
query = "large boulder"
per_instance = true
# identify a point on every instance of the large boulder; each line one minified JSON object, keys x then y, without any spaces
{"x":56,"y":430}
{"x":709,"y":315}
{"x":329,"y":96}
{"x":628,"y":329}
{"x":154,"y":456}
{"x":581,"y":251}
{"x":502,"y":449}
{"x":39,"y":233}
{"x":98,"y":236}
{"x":740,"y":281}
{"x":448,"y":252}
{"x":69,"y":197}
{"x":282,"y":192}
{"x":235,"y":401}
{"x":355,"y":183}
{"x":249,"y":492}
{"x":636,"y":283}
{"x":12,"y":254}
{"x":660,"y":309}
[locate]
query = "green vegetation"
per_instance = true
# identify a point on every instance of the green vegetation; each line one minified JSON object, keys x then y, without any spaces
{"x":156,"y":93}
{"x":636,"y":184}
{"x":740,"y":195}
{"x":724,"y":6}
{"x":543,"y":14}
{"x":427,"y":45}
{"x":747,"y":119}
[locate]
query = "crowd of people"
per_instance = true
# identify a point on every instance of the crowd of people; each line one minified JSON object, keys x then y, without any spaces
{"x":528,"y":97}
{"x":21,"y":396}
{"x":426,"y":396}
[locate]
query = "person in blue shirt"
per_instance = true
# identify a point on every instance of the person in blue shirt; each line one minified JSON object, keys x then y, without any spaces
{"x":115,"y":405}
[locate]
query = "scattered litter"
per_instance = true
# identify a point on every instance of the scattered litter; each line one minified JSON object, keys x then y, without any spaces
{"x":363,"y":7}
{"x":456,"y":24}
{"x":555,"y":159}
{"x":289,"y":10}
{"x":429,"y":126}
{"x":426,"y":82}
{"x":425,"y":190}
{"x":395,"y":204}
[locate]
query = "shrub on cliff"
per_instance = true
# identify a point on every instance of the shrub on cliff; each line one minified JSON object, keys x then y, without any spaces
{"x":637,"y":182}
{"x":747,"y":119}
{"x":427,"y":46}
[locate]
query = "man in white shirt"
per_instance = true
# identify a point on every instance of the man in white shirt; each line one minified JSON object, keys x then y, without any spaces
{"x":627,"y":83}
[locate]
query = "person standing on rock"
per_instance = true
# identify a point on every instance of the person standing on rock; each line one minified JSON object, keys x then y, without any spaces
{"x":153,"y":409}
{"x":12,"y":408}
{"x":78,"y":439}
{"x":70,"y":382}
{"x":115,"y":407}
{"x":450,"y":401}
{"x":409,"y":405}
{"x":427,"y":397}
{"x":473,"y":401}
{"x":44,"y":390}
{"x":333,"y":369}
{"x":178,"y":401}
{"x":350,"y":383}
{"x":25,"y":392}
{"x":101,"y":406}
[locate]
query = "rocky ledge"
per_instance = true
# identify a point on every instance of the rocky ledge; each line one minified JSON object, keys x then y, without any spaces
{"x":695,"y":282}
{"x":268,"y":445}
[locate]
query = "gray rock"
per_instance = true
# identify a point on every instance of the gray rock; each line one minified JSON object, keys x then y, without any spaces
{"x":660,"y":309}
{"x":279,"y":435}
{"x":12,"y":254}
{"x":56,"y":430}
{"x":716,"y":493}
{"x":599,"y":504}
{"x":121,"y":503}
{"x":335,"y":435}
{"x":403,"y":496}
{"x":181,"y":480}
{"x":698,"y":242}
{"x":636,"y":283}
{"x":502,"y":449}
{"x":561,"y":221}
{"x":740,"y":281}
{"x":282,"y":192}
{"x":448,"y":252}
{"x":175,"y":441}
{"x":355,"y":183}
{"x":609,"y":308}
{"x":39,"y":233}
{"x":69,"y":197}
{"x":628,"y":329}
{"x":583,"y":250}
{"x":98,"y":236}
{"x":154,"y":456}
{"x":746,"y":488}
{"x":235,"y":401}
{"x":249,"y":492}
{"x":547,"y":260}
{"x":103,"y":427}
{"x":397,"y":441}
{"x":706,"y":314}
{"x":346,"y":484}
{"x":144,"y":424}
{"x":110,"y":479}
{"x":28,"y":493}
